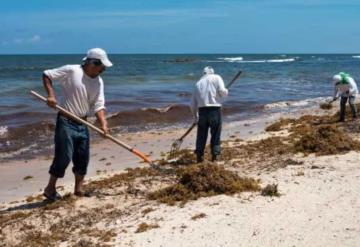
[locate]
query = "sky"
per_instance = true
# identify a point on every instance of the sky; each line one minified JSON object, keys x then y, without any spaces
{"x":186,"y":26}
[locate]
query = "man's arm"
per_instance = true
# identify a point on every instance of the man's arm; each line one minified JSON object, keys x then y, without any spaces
{"x":51,"y":99}
{"x":222,"y":90}
{"x":99,"y":108}
{"x":102,"y":120}
{"x":194,"y":107}
{"x":353,"y":87}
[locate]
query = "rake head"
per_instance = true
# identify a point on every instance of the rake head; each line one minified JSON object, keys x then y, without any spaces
{"x":175,"y":147}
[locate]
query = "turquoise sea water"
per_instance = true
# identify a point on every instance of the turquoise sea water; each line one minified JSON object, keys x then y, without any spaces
{"x":140,"y":88}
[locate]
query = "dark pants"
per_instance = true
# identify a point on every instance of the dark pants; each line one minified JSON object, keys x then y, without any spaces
{"x":343,"y":107}
{"x":209,"y":117}
{"x":71,"y":144}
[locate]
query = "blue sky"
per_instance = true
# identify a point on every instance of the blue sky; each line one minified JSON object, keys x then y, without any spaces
{"x":159,"y":26}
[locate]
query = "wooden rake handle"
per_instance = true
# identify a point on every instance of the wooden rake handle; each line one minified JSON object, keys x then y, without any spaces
{"x":93,"y":127}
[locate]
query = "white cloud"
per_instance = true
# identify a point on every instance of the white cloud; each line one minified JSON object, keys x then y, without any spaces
{"x":35,"y":38}
{"x":20,"y":41}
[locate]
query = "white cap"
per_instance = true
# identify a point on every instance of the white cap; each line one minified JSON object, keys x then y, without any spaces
{"x":208,"y":70}
{"x":337,"y":78}
{"x":98,"y":53}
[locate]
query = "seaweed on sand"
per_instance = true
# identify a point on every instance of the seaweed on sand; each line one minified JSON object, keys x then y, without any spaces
{"x":315,"y":134}
{"x":143,"y":227}
{"x":201,"y":181}
{"x":121,"y":179}
{"x":280,"y":124}
{"x":326,"y":140}
{"x":270,"y":190}
{"x":326,"y":106}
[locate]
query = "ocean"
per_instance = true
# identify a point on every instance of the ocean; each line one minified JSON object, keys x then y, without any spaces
{"x":153,"y":91}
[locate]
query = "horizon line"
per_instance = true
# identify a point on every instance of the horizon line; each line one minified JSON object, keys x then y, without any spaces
{"x":255,"y":53}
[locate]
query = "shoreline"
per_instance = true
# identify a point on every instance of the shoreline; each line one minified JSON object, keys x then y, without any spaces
{"x":18,"y":142}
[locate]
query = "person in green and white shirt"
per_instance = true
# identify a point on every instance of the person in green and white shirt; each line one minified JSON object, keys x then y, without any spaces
{"x":346,"y":88}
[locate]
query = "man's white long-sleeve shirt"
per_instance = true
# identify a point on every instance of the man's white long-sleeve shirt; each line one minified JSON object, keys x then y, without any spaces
{"x":346,"y":89}
{"x":207,"y":93}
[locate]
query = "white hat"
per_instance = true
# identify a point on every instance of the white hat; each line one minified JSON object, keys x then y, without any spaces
{"x":98,"y":53}
{"x":337,"y":78}
{"x":208,"y":70}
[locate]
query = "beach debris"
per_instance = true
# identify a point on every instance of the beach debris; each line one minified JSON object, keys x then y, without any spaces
{"x":122,"y":180}
{"x":34,"y":198}
{"x":147,"y":210}
{"x":321,"y":135}
{"x":198,"y":216}
{"x":326,"y":106}
{"x":280,"y":124}
{"x":270,"y":190}
{"x":300,"y":173}
{"x":28,"y":177}
{"x":203,"y":180}
{"x":143,"y":227}
{"x":326,"y":140}
{"x":292,"y":162}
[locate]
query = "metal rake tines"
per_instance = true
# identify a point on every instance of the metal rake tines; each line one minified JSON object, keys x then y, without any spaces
{"x":175,"y":147}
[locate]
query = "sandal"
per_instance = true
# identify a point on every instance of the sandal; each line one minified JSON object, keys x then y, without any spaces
{"x":83,"y":193}
{"x":53,"y":197}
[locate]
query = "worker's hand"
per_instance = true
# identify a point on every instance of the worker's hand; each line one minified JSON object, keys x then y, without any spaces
{"x":105,"y":129}
{"x":51,"y":101}
{"x":334,"y":99}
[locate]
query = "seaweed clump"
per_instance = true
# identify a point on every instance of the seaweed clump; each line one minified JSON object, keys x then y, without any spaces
{"x":326,"y":106}
{"x":280,"y":124}
{"x":203,"y":180}
{"x":326,"y":140}
{"x":321,"y":135}
{"x":143,"y":227}
{"x":270,"y":190}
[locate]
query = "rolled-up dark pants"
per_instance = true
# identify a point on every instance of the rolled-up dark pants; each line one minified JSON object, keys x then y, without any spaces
{"x":209,"y":117}
{"x":343,"y":107}
{"x":71,"y":144}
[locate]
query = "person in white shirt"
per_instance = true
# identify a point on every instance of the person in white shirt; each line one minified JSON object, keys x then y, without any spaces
{"x":83,"y":92}
{"x":346,"y":88}
{"x":206,"y":108}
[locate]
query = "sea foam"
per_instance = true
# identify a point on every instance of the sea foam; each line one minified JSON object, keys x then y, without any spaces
{"x":3,"y":131}
{"x":231,"y":59}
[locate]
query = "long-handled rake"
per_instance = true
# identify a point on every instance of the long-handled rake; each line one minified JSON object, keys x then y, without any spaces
{"x":122,"y":144}
{"x":175,"y":147}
